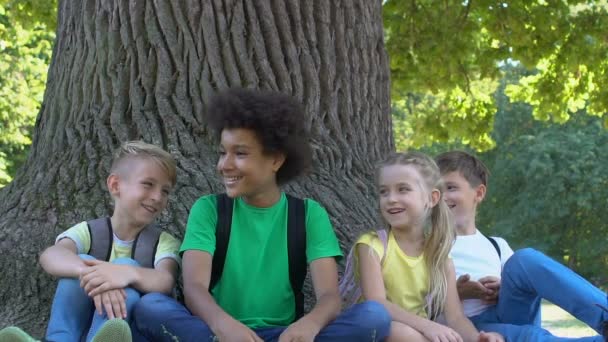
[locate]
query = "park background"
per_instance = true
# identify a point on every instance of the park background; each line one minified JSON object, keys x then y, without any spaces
{"x":523,"y":84}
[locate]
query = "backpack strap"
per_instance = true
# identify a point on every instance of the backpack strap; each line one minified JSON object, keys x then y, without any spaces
{"x":224,"y":206}
{"x":349,"y":287}
{"x":296,"y":249}
{"x":296,"y":244}
{"x":495,"y":244}
{"x":383,"y":236}
{"x":145,"y":245}
{"x":100,"y":231}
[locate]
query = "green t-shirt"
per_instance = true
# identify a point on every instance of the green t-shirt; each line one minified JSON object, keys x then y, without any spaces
{"x":254,"y":287}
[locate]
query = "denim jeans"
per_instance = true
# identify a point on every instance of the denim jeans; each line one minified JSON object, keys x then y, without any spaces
{"x":160,"y":318}
{"x":73,"y":311}
{"x":529,"y":276}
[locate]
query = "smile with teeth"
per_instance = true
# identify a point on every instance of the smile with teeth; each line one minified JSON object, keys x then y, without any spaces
{"x":232,"y":180}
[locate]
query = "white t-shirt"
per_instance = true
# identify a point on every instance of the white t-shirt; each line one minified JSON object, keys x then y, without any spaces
{"x":476,"y":256}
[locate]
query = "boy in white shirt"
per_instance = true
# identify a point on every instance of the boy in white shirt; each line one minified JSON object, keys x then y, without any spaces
{"x":502,"y":290}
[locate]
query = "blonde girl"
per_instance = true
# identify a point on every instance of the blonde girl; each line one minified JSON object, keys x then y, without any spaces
{"x":414,"y":277}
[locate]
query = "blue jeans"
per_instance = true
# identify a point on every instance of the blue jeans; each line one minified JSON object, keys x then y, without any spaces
{"x":73,"y":311}
{"x":527,"y":277}
{"x":160,"y":318}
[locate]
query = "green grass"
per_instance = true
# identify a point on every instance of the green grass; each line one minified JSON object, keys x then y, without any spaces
{"x":560,"y":323}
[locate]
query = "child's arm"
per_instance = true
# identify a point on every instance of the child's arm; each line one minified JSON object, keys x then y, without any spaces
{"x":61,"y":260}
{"x":324,"y":273}
{"x":372,"y":287}
{"x":101,"y":276}
{"x":197,"y":275}
{"x":455,"y":315}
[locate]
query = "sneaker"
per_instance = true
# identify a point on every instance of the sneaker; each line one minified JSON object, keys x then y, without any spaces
{"x":14,"y":334}
{"x":114,"y":330}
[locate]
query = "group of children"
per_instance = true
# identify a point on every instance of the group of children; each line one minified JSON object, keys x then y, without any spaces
{"x":429,"y":275}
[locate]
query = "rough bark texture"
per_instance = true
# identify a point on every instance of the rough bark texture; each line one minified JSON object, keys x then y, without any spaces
{"x":126,"y":70}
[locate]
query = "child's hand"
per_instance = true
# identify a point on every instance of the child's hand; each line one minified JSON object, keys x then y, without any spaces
{"x":436,"y":332}
{"x":303,"y":330}
{"x":101,"y":276}
{"x":469,"y":289}
{"x":113,"y":301}
{"x":492,"y":284}
{"x":490,"y":337}
{"x":233,"y":330}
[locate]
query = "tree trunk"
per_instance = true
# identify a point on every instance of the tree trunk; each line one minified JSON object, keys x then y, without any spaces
{"x":138,"y":69}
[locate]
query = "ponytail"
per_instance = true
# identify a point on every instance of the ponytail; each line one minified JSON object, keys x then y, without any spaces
{"x":437,"y":246}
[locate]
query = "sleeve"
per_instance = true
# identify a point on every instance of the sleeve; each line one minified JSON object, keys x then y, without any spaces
{"x":371,"y":239}
{"x":168,"y":247}
{"x":321,"y":241}
{"x":200,"y":229}
{"x":505,"y":250}
{"x":80,"y":235}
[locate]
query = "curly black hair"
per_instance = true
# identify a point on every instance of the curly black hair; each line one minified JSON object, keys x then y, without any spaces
{"x":277,"y":119}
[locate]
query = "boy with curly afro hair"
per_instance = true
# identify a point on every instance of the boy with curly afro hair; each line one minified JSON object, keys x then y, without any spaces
{"x":263,"y":144}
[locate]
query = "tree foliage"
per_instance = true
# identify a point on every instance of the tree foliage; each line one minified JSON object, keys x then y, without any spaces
{"x":25,"y":51}
{"x":446,"y":59}
{"x":548,"y":188}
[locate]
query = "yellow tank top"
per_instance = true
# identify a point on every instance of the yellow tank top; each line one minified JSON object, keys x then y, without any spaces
{"x":406,"y":280}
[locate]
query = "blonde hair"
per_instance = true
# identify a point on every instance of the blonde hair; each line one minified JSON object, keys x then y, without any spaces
{"x":141,"y":150}
{"x":439,"y":232}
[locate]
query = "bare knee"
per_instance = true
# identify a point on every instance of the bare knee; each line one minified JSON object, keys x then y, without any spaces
{"x":402,"y":332}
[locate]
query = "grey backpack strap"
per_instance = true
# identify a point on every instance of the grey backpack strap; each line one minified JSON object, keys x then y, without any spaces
{"x":100,"y":231}
{"x":145,"y":244}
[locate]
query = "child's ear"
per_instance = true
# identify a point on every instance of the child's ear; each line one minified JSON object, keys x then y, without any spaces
{"x":279,"y":159}
{"x":435,"y":197}
{"x":480,"y":193}
{"x":113,"y":183}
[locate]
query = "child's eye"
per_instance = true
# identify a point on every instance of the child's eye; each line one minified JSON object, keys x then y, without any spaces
{"x":383,"y":192}
{"x":404,"y":189}
{"x":147,"y":184}
{"x":166,"y":192}
{"x":241,"y":153}
{"x":222,"y":152}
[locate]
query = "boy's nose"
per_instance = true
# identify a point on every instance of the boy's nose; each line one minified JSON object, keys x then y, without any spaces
{"x":157,"y":195}
{"x":225,"y":163}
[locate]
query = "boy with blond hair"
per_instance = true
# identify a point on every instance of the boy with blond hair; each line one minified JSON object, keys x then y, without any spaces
{"x":502,"y":290}
{"x":105,"y":265}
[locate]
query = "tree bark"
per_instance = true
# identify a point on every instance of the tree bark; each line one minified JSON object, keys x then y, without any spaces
{"x":124,"y":70}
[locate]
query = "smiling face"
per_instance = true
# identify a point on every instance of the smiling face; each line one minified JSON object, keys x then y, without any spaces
{"x":462,"y":199}
{"x":140,"y":188}
{"x":246,"y":170}
{"x":404,"y":199}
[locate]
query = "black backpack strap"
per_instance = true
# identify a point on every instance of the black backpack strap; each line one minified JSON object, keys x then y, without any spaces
{"x":224,"y":206}
{"x":100,"y":231}
{"x":145,"y":245}
{"x":296,"y":249}
{"x":495,"y":244}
